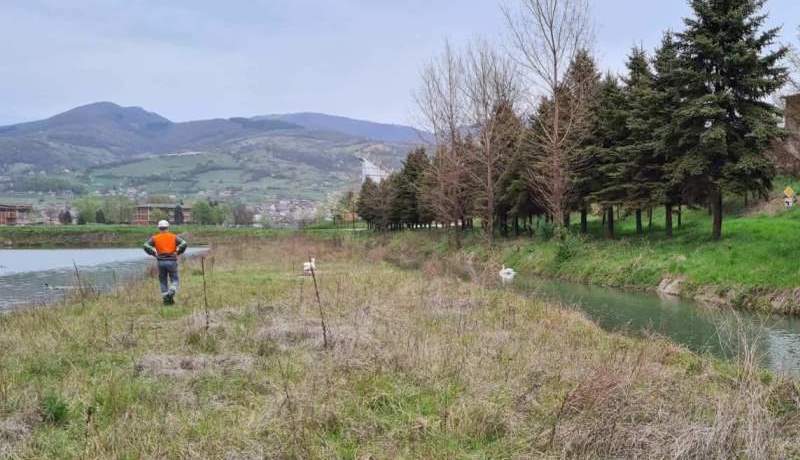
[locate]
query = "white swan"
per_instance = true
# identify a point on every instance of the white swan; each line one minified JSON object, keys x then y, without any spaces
{"x":507,"y":275}
{"x":309,"y":267}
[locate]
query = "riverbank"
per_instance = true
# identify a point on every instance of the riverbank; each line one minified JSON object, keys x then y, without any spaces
{"x":756,"y":266}
{"x":106,"y":236}
{"x":418,"y":364}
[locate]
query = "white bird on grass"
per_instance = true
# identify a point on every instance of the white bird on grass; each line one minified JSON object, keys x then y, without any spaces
{"x":507,"y":275}
{"x":309,"y":267}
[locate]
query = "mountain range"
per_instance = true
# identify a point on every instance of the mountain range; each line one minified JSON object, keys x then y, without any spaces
{"x":103,"y":147}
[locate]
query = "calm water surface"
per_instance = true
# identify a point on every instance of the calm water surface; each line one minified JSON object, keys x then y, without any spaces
{"x":41,"y":276}
{"x":701,"y":329}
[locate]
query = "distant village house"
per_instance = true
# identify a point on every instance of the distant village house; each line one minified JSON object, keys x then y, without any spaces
{"x":149,"y":214}
{"x":12,"y":214}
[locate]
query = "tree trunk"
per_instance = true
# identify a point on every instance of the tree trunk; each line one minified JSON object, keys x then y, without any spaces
{"x":668,"y":219}
{"x":680,"y":215}
{"x":639,"y":229}
{"x":609,"y":228}
{"x":716,"y":210}
{"x":649,"y":220}
{"x":584,"y":220}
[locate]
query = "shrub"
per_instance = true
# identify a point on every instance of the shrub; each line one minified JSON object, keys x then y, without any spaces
{"x":567,"y":248}
{"x":54,"y":408}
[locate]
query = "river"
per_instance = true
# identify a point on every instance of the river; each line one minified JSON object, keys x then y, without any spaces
{"x":44,"y":276}
{"x":704,"y":330}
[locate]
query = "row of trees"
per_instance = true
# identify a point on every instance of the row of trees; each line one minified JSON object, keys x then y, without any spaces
{"x":120,"y":210}
{"x":106,"y":210}
{"x":543,"y":132}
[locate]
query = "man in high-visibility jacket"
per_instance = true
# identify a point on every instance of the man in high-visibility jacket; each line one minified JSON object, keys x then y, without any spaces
{"x":166,"y":246}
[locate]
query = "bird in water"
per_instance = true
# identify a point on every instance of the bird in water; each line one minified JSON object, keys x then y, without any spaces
{"x":507,"y":275}
{"x":310,"y":267}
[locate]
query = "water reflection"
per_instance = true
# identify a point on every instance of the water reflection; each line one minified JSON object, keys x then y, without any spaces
{"x":700,"y":329}
{"x":44,"y":276}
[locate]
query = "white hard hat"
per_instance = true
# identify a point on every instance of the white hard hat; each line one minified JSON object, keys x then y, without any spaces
{"x":163,"y":224}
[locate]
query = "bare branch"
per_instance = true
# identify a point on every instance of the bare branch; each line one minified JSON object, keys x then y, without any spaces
{"x":546,"y":36}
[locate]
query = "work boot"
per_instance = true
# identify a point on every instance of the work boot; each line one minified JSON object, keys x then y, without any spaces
{"x":169,"y":298}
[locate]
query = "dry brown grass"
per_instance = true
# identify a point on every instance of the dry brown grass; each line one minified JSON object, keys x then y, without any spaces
{"x":421,"y":364}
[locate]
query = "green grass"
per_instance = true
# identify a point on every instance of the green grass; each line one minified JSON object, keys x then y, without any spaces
{"x":759,"y":251}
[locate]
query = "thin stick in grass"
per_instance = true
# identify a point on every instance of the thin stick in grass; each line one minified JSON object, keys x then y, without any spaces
{"x":80,"y":284}
{"x":321,"y":310}
{"x":205,"y":291}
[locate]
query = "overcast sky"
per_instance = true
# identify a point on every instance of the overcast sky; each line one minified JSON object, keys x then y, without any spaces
{"x":193,"y":59}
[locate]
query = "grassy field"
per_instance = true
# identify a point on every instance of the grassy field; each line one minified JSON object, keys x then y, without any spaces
{"x":418,"y":364}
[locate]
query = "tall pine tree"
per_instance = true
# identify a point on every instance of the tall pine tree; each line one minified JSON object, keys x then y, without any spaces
{"x":408,"y":185}
{"x":583,"y":81}
{"x":643,"y":173}
{"x":725,"y":121}
{"x":610,"y":164}
{"x":367,"y":206}
{"x":666,"y":85}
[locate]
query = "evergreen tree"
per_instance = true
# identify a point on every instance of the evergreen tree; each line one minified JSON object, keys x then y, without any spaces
{"x":666,"y":85}
{"x":391,"y":211}
{"x":100,"y":217}
{"x":610,"y":164}
{"x":583,"y":81}
{"x":517,"y":200}
{"x":505,"y":138}
{"x":406,"y":195}
{"x":65,"y":217}
{"x":366,"y":204}
{"x":642,"y":177}
{"x":725,"y":121}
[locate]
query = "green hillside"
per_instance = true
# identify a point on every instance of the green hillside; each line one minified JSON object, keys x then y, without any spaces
{"x":106,"y":148}
{"x":298,"y":166}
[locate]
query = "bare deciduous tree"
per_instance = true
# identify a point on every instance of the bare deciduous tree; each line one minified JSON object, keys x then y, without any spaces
{"x":441,"y":103}
{"x":794,"y":68}
{"x":491,"y":92}
{"x":546,"y":35}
